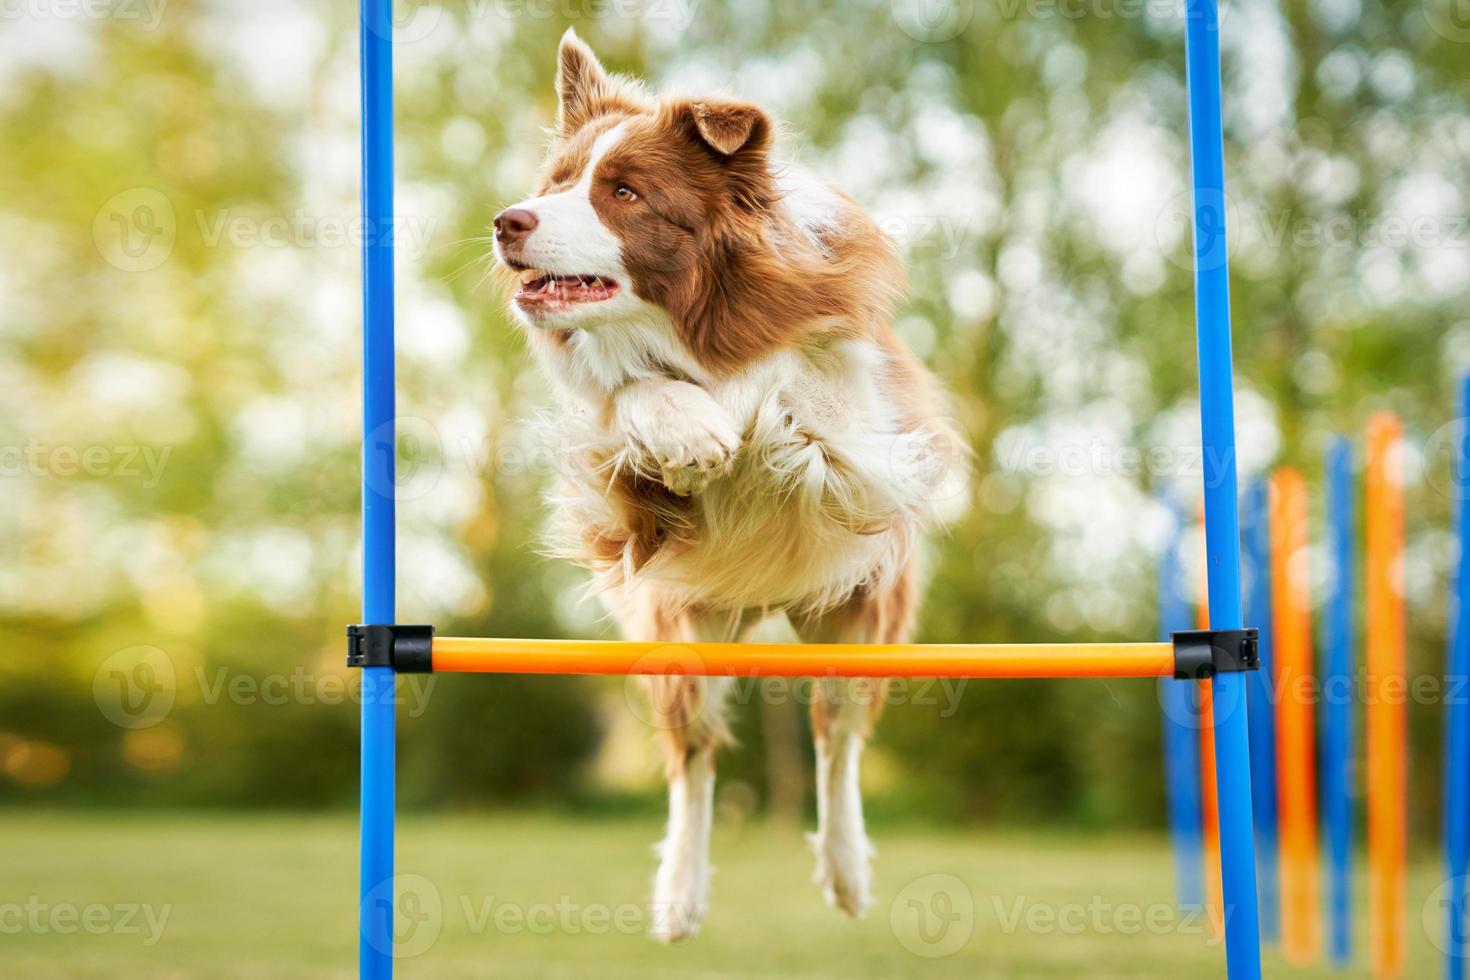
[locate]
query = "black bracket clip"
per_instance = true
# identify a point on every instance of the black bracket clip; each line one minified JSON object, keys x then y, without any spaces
{"x":407,"y":649}
{"x":1201,"y":654}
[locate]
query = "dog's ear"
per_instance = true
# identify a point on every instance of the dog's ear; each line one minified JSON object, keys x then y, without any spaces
{"x":738,"y":136}
{"x":731,"y":128}
{"x":585,"y":90}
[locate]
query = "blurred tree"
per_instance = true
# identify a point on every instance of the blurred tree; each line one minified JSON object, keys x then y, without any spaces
{"x":178,"y":352}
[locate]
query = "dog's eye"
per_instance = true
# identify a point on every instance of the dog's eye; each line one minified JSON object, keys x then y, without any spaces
{"x":626,"y":194}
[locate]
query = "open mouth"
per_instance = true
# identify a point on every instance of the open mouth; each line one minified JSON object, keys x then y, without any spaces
{"x":544,"y":291}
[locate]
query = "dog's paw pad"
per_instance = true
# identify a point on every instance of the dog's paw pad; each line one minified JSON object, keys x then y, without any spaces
{"x":675,"y":922}
{"x":844,"y":875}
{"x":849,"y":896}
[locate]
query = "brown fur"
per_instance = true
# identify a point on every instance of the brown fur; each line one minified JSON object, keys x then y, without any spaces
{"x":687,"y":722}
{"x":868,"y":617}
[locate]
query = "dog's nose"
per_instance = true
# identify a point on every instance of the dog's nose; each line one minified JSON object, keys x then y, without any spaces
{"x":513,"y":225}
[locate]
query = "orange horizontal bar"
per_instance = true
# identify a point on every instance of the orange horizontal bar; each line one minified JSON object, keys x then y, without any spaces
{"x":479,"y":655}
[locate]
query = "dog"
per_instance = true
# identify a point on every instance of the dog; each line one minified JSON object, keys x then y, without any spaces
{"x":743,"y":433}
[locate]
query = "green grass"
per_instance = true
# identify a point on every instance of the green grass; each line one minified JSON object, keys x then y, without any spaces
{"x":274,"y":897}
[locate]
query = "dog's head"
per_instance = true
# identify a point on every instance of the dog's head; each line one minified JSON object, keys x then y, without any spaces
{"x":670,"y":206}
{"x":669,"y":209}
{"x":632,"y":193}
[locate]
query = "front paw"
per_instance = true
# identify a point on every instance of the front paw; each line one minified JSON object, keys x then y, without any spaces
{"x":691,"y":450}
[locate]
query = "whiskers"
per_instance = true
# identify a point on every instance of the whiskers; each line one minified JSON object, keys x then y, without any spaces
{"x":483,"y":260}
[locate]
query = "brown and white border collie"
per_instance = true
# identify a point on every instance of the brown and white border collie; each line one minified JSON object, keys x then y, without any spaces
{"x":743,"y":433}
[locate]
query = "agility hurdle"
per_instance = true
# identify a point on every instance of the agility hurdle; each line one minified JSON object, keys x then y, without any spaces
{"x":382,"y":648}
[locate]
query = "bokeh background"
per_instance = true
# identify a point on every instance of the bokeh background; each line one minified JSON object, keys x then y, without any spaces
{"x":179,"y":392}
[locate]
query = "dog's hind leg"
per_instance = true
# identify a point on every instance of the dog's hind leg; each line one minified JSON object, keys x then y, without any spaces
{"x":688,"y":713}
{"x":843,"y":712}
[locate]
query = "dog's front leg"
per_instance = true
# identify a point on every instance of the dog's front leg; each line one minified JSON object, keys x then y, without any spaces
{"x":676,"y":428}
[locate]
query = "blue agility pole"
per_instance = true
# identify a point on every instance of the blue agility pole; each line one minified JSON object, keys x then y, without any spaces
{"x":1256,"y":533}
{"x":1181,"y":731}
{"x":1338,"y":771}
{"x":1457,"y":714}
{"x":376,"y":897}
{"x":1222,"y":526}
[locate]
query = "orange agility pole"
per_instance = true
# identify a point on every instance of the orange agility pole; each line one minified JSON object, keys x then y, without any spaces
{"x":1385,"y":655}
{"x":1208,"y":790}
{"x":1000,"y":660}
{"x":1301,"y":932}
{"x":1210,"y":811}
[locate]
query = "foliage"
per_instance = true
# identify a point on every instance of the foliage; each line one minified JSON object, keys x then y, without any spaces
{"x":1031,"y":164}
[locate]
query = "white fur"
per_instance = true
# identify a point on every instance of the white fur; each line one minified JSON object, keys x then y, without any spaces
{"x":813,"y":205}
{"x":684,"y":433}
{"x":569,"y":237}
{"x":570,"y":240}
{"x":681,"y":885}
{"x":640,"y":343}
{"x":841,"y":841}
{"x":824,"y":495}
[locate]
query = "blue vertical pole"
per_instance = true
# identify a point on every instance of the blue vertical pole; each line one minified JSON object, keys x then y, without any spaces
{"x":1222,"y":525}
{"x":1181,"y":732}
{"x":1338,"y":774}
{"x":1257,"y":537}
{"x":375,"y":934}
{"x":1457,"y":715}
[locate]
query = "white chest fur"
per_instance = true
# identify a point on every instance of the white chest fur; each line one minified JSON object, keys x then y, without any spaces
{"x":823,"y":495}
